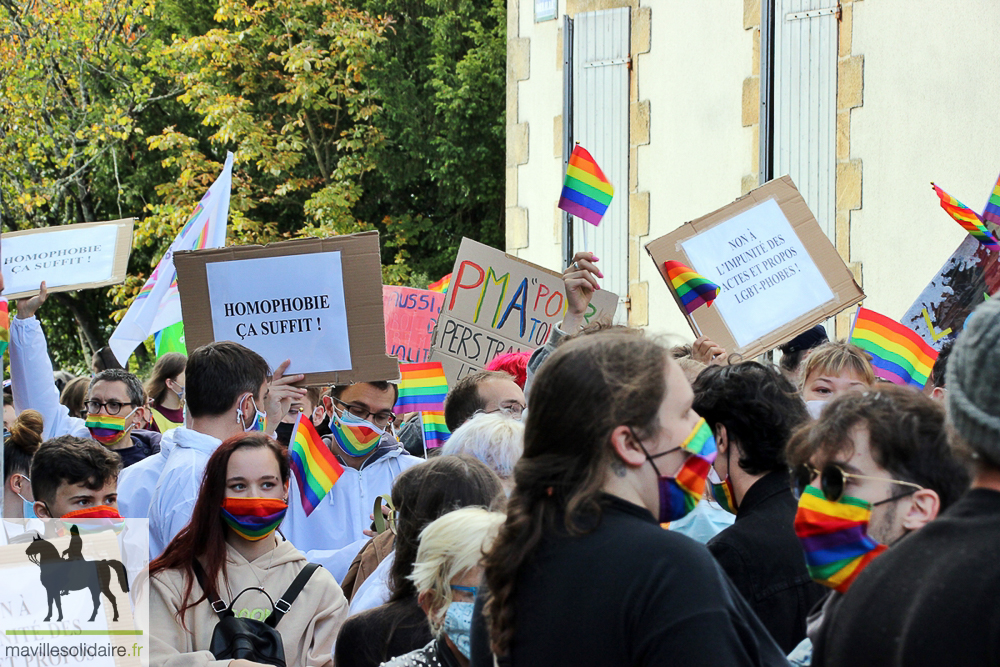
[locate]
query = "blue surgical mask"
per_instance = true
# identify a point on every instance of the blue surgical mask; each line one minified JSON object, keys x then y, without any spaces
{"x":28,"y":510}
{"x":458,"y":626}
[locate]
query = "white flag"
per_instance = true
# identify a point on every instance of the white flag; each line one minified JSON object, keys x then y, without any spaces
{"x":158,"y":304}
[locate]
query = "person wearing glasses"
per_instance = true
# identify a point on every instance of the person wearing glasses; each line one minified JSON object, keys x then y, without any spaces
{"x":446,"y":576}
{"x":753,"y":409}
{"x":483,"y":391}
{"x":115,"y":406}
{"x":875,"y":467}
{"x":362,"y":438}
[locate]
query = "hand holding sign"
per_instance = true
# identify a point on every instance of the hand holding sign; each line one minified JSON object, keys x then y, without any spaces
{"x":280,"y":395}
{"x":26,"y":308}
{"x":580,"y":283}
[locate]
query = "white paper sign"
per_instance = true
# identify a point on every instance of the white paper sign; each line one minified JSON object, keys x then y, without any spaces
{"x":767,"y":277}
{"x":63,"y":256}
{"x":289,"y":307}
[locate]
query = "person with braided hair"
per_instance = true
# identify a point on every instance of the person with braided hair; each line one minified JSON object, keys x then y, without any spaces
{"x":581,"y":572}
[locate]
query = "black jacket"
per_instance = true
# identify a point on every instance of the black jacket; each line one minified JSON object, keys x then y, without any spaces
{"x":374,"y":636}
{"x":764,"y":559}
{"x":630,"y":593}
{"x":929,"y":600}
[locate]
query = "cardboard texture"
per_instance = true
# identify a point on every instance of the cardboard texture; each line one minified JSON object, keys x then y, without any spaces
{"x":969,"y":277}
{"x":66,"y":276}
{"x":362,"y":269}
{"x":827,"y":260}
{"x":410,"y":316}
{"x":497,"y":303}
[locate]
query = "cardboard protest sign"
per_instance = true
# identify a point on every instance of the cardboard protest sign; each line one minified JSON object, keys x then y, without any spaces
{"x":969,"y":277}
{"x":66,"y":257}
{"x":289,"y":301}
{"x":497,"y":303}
{"x":410,"y":316}
{"x":779,"y":273}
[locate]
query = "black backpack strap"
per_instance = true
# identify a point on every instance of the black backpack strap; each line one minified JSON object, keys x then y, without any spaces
{"x":220,"y":607}
{"x":284,"y":603}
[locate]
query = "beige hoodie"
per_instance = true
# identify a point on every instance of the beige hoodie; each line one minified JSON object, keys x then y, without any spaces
{"x":308,"y":630}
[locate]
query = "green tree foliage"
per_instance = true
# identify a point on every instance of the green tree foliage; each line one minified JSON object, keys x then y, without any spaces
{"x":440,"y":175}
{"x":72,"y":87}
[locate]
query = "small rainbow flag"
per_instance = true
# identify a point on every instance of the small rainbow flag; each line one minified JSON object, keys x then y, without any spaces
{"x":436,"y":432}
{"x":4,"y":326}
{"x":992,"y":212}
{"x":899,"y":355}
{"x":968,"y":218}
{"x":836,"y":559}
{"x":440,"y":285}
{"x":587,"y":192}
{"x":693,"y":289}
{"x":422,"y":387}
{"x":316,"y":468}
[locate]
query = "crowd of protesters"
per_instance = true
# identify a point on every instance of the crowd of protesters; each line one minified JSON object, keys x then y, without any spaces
{"x":605,"y":500}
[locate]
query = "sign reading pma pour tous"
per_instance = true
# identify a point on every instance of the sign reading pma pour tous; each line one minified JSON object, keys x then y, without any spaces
{"x":265,"y":305}
{"x":67,"y":258}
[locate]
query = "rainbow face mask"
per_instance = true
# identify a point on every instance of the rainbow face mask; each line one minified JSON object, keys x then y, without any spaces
{"x":357,"y":437}
{"x":253,"y":518}
{"x":96,"y":519}
{"x":834,"y":536}
{"x":680,"y":494}
{"x":108,"y":429}
{"x":722,"y":491}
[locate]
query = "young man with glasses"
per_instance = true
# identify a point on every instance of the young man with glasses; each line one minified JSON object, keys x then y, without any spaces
{"x":873,"y":468}
{"x":362,"y":438}
{"x":483,"y":391}
{"x":115,"y":406}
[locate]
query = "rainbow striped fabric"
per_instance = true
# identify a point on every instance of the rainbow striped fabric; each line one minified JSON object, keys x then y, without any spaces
{"x":992,"y":212}
{"x":693,"y":289}
{"x":587,"y":192}
{"x":4,"y":326}
{"x":440,"y":285}
{"x":315,"y":467}
{"x":701,"y":441}
{"x":422,"y":387}
{"x":899,"y":354}
{"x":968,"y":218}
{"x":834,"y":537}
{"x":436,"y":432}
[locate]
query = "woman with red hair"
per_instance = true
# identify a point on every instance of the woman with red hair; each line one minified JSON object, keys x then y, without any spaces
{"x":232,"y":546}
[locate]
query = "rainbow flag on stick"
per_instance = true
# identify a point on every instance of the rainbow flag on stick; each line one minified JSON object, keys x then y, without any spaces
{"x":315,"y":467}
{"x":587,"y":192}
{"x":992,"y":212}
{"x":440,"y":285}
{"x":693,"y":289}
{"x":899,"y":354}
{"x":968,"y":218}
{"x":4,"y":326}
{"x":422,"y":388}
{"x":436,"y":432}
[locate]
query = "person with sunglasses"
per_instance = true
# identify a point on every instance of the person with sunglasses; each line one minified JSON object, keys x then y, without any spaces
{"x":752,"y":410}
{"x":446,"y":575}
{"x":873,"y":468}
{"x":362,"y":438}
{"x":115,"y":406}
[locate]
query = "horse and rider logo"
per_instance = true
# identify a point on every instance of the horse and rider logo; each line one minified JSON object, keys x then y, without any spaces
{"x":70,"y":571}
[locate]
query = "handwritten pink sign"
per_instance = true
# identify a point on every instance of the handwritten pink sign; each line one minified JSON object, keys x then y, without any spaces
{"x":410,"y":316}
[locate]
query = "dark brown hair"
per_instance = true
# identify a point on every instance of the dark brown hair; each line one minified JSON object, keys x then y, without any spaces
{"x":424,"y":493}
{"x":907,"y":436}
{"x":205,"y":536}
{"x":219,"y":373}
{"x":74,"y":394}
{"x":464,"y":400}
{"x":167,"y":367}
{"x":25,"y":438}
{"x":71,"y":460}
{"x":587,"y":388}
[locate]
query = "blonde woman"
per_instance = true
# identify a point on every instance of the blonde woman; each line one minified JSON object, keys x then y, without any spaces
{"x":447,"y":575}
